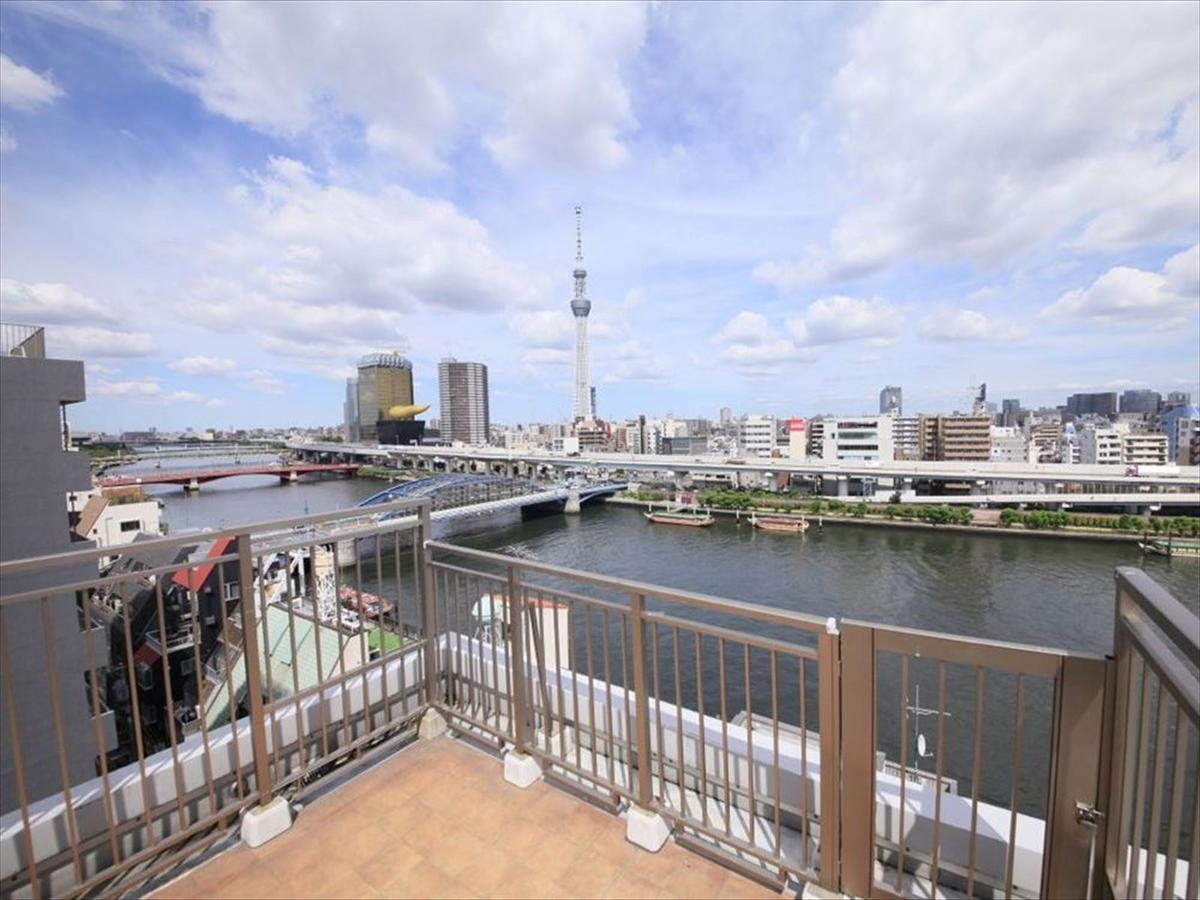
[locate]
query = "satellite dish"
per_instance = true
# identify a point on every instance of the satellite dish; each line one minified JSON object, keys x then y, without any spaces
{"x":921,"y":745}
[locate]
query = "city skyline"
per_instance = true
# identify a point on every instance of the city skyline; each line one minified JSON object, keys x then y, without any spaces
{"x":228,"y":256}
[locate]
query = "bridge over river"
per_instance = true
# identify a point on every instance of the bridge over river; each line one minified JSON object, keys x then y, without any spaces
{"x":192,"y":479}
{"x":457,"y":496}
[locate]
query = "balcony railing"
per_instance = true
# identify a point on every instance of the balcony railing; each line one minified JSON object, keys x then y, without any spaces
{"x":28,"y":341}
{"x":780,"y":744}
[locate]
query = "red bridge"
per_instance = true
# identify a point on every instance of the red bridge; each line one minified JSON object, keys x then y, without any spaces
{"x":191,"y":480}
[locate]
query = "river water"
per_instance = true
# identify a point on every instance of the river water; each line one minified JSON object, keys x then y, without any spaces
{"x":1007,"y":587}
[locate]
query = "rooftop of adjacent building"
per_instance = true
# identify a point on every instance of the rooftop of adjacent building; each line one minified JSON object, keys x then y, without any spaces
{"x":437,"y":819}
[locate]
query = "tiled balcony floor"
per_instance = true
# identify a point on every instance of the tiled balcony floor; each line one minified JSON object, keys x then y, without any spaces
{"x":438,"y":820}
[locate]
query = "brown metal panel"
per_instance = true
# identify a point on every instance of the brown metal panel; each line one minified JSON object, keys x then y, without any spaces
{"x":857,"y":811}
{"x":998,"y":655}
{"x":520,"y":738}
{"x":642,"y":698}
{"x":1075,"y":776}
{"x":250,"y":655}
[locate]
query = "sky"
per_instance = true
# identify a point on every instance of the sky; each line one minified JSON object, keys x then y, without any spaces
{"x":220,"y":207}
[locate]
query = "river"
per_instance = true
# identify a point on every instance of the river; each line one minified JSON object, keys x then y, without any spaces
{"x":1008,"y":587}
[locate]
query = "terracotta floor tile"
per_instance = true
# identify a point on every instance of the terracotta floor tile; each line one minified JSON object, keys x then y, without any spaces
{"x":438,"y":820}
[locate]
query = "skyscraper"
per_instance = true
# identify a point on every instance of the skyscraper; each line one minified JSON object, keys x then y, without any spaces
{"x":384,"y":380}
{"x":350,"y":411}
{"x":890,"y":401}
{"x":1010,"y":413}
{"x":463,"y":397}
{"x":580,"y":307}
{"x":1145,"y":402}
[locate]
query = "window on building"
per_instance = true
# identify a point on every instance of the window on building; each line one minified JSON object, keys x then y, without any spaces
{"x":132,"y":525}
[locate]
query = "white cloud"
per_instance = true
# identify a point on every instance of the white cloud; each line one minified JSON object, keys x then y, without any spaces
{"x":86,"y":342}
{"x":530,"y":83}
{"x":149,"y":390}
{"x":340,"y":272}
{"x":262,"y":381}
{"x":387,"y":249}
{"x":635,"y":361}
{"x":960,"y":150}
{"x":1136,"y":296}
{"x":22,"y":88}
{"x":544,"y":328}
{"x":837,"y":319}
{"x":77,"y":326}
{"x":755,"y":348}
{"x":44,"y":303}
{"x":749,"y":329}
{"x":213,"y":366}
{"x":952,"y":325}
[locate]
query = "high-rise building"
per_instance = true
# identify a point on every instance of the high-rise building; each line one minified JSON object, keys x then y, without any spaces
{"x":580,"y":307}
{"x":890,"y":401}
{"x":1010,"y":413}
{"x":384,"y":380}
{"x":1103,"y":404}
{"x":726,"y":416}
{"x":956,"y":438}
{"x":592,"y":397}
{"x":1177,"y":398}
{"x":463,"y":395}
{"x":1143,"y":402}
{"x":350,"y":411}
{"x":39,"y":471}
{"x":1168,"y":424}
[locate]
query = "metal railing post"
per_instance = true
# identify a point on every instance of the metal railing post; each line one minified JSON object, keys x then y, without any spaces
{"x":252,"y":658}
{"x":856,"y":810}
{"x":517,"y":663}
{"x":428,"y":604}
{"x":642,"y":700}
{"x":1075,"y":756}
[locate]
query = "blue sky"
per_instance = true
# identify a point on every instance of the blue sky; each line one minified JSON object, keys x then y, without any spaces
{"x":786,"y":206}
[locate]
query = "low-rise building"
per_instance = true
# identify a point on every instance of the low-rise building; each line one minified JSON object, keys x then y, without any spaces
{"x":858,"y":439}
{"x":797,"y":439}
{"x":1144,"y":449}
{"x":816,"y":437}
{"x":756,"y":436}
{"x":906,"y":437}
{"x":1187,"y":441}
{"x":1009,"y":444}
{"x":1100,"y":445}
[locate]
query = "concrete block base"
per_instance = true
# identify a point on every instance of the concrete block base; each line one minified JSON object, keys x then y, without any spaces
{"x":521,"y":769}
{"x":433,"y":724}
{"x":262,"y":823}
{"x":646,"y":829}
{"x":813,"y":891}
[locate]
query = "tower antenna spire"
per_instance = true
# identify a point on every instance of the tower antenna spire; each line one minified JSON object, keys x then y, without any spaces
{"x":579,"y":235}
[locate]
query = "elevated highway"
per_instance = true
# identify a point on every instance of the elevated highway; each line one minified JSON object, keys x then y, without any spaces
{"x":1031,"y":482}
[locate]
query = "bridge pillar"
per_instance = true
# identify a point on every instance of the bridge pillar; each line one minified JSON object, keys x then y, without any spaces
{"x":192,"y":486}
{"x":572,"y":504}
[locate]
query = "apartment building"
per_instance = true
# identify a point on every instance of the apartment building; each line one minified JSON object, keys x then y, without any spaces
{"x":1009,"y":445}
{"x":955,"y":438}
{"x":1144,"y":449}
{"x":756,"y":436}
{"x":1100,"y":445}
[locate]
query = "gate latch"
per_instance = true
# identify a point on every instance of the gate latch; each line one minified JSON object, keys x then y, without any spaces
{"x":1086,"y":814}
